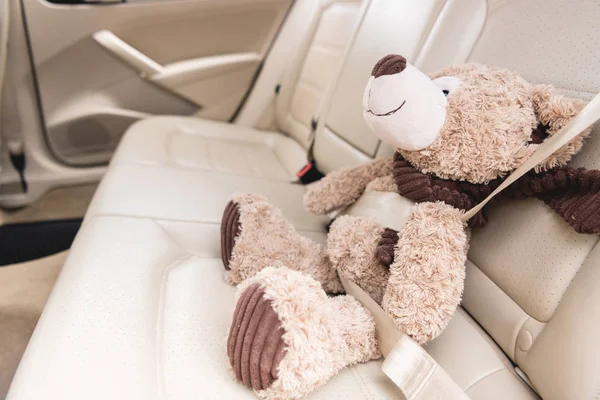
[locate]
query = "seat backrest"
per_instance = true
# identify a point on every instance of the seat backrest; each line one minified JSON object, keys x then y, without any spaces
{"x":532,"y":283}
{"x":313,"y":71}
{"x":389,"y":26}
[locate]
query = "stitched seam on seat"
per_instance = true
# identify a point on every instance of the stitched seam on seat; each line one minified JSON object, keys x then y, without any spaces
{"x":311,"y":86}
{"x":483,"y":377}
{"x":495,"y":347}
{"x":168,"y":234}
{"x":434,"y":23}
{"x":112,"y":215}
{"x":196,"y":169}
{"x":280,"y":161}
{"x":160,"y":373}
{"x":343,"y":139}
{"x":361,"y":382}
{"x":517,"y":303}
{"x":516,"y":344}
{"x":167,"y":146}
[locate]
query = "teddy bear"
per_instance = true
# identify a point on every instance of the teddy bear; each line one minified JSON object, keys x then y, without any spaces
{"x":457,"y":134}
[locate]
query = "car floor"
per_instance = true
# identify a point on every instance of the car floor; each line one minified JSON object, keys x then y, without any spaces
{"x":62,"y":203}
{"x":25,"y":287}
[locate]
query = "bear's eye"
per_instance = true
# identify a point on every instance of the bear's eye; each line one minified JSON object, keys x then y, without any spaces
{"x":447,"y":84}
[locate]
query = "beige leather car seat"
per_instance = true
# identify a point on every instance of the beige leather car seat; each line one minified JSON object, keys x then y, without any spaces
{"x":309,"y":75}
{"x":141,"y":311}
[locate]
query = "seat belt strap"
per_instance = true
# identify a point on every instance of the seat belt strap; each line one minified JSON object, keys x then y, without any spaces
{"x":407,"y":364}
{"x":318,"y":120}
{"x":586,"y":117}
{"x":12,"y":134}
{"x":310,"y":171}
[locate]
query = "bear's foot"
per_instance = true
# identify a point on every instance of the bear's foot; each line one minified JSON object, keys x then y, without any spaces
{"x":255,"y":235}
{"x":288,"y":338}
{"x":230,"y":229}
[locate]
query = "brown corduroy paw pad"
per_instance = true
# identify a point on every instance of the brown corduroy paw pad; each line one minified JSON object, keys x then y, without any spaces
{"x":230,"y":228}
{"x":255,"y":346}
{"x":385,"y":246}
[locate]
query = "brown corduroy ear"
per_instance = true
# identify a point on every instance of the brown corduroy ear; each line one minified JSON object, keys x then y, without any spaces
{"x":555,"y":111}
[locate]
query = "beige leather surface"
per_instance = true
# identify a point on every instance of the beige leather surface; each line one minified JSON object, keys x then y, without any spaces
{"x":530,"y":265}
{"x":151,"y":335}
{"x":282,"y":65}
{"x":161,"y":311}
{"x":321,"y":63}
{"x":564,"y":360}
{"x":142,"y":289}
{"x":181,"y":194}
{"x":526,"y":251}
{"x":192,"y":143}
{"x":475,"y":363}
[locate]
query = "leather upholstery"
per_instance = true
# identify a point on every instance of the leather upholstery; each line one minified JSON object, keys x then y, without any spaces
{"x":321,"y":63}
{"x":190,"y":143}
{"x":241,"y":150}
{"x":181,"y":194}
{"x":141,"y":310}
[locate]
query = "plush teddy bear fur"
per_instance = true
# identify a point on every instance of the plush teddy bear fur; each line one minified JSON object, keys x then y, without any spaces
{"x":489,"y":123}
{"x":492,"y":125}
{"x":322,"y":334}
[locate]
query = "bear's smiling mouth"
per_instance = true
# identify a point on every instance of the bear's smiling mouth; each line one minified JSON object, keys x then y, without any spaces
{"x":389,"y":112}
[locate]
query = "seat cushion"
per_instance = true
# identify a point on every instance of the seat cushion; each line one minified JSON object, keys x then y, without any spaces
{"x":187,"y":142}
{"x":191,"y":195}
{"x":141,"y":311}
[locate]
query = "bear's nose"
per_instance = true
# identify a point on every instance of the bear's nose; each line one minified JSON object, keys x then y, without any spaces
{"x":389,"y":65}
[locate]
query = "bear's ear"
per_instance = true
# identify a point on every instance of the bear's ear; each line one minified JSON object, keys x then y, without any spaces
{"x":555,"y":111}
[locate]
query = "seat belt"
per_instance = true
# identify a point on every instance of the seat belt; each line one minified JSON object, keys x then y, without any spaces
{"x":407,"y":364}
{"x":4,"y":20}
{"x":11,"y":134}
{"x":586,"y":117}
{"x":310,"y":173}
{"x":10,"y":129}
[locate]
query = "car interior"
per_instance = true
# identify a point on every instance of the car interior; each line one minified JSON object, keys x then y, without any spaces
{"x":126,"y":126}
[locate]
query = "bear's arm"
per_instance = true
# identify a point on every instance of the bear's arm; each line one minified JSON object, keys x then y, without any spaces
{"x":343,"y":187}
{"x":574,"y":194}
{"x":420,"y":187}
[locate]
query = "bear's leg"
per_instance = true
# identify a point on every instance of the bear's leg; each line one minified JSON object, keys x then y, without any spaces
{"x":287,"y":337}
{"x":428,"y":272}
{"x":355,"y":246}
{"x":255,"y":235}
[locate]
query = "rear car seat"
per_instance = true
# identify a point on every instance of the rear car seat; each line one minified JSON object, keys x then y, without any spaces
{"x":141,"y":310}
{"x":212,"y":146}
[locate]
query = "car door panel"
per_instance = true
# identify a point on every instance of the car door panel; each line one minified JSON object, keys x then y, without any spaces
{"x":207,"y":51}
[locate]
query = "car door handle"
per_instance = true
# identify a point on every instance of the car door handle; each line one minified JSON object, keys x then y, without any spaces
{"x":176,"y":76}
{"x":139,"y":61}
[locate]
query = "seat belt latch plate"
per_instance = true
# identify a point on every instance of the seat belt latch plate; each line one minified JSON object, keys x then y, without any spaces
{"x":309,"y":173}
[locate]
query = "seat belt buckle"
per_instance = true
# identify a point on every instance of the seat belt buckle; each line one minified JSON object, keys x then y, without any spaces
{"x":16,"y":153}
{"x":309,"y":173}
